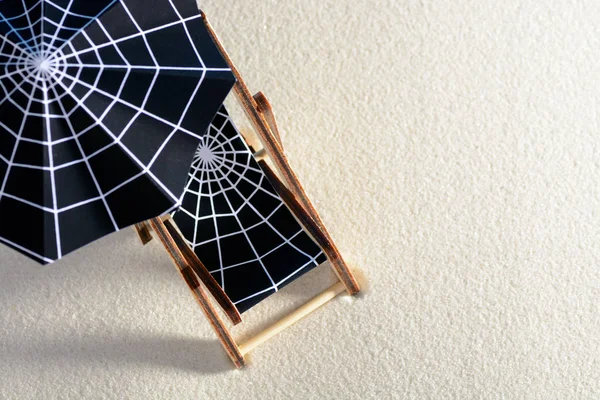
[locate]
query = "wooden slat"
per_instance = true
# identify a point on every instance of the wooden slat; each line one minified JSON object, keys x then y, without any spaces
{"x":264,"y":106}
{"x":298,"y":210}
{"x":206,"y":277}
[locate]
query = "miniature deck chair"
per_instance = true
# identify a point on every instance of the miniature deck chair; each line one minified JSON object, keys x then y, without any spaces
{"x":243,"y":231}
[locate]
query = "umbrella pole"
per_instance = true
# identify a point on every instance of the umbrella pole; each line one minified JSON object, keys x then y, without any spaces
{"x":260,"y":112}
{"x":189,"y":276}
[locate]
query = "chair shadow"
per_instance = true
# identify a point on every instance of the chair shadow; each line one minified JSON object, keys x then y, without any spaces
{"x":176,"y":352}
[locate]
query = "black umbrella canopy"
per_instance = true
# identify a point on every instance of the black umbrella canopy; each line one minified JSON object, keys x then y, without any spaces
{"x":102,"y":105}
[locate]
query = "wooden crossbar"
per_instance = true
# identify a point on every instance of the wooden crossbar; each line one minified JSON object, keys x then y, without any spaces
{"x":293,"y":317}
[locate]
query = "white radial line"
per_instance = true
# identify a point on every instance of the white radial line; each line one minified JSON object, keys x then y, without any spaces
{"x":118,"y":142}
{"x":42,"y":27}
{"x":249,"y":167}
{"x":133,"y":106}
{"x":11,"y":100}
{"x":33,"y":35}
{"x":86,"y":160}
{"x":84,"y":27}
{"x":212,"y":205}
{"x":246,"y":236}
{"x":17,"y":141}
{"x":198,"y":213}
{"x":187,"y":32}
{"x":133,"y":36}
{"x":178,"y":126}
{"x":171,"y":210}
{"x":51,"y":162}
{"x":23,"y":249}
{"x":81,"y":203}
{"x":150,"y":67}
{"x":59,"y":27}
{"x":43,"y":142}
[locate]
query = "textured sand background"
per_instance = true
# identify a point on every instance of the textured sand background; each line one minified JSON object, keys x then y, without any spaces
{"x":453,"y":149}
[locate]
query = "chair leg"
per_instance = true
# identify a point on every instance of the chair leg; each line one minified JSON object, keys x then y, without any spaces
{"x":143,"y":232}
{"x":188,"y":275}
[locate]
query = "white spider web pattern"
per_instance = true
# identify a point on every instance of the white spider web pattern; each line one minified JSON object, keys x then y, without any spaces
{"x":230,"y":207}
{"x":73,"y":82}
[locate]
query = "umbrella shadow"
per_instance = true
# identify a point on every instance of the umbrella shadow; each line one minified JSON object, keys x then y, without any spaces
{"x":22,"y":281}
{"x":144,"y":264}
{"x":181,"y":353}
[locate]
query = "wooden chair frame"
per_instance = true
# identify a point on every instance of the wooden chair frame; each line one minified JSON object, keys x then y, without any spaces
{"x":261,"y":115}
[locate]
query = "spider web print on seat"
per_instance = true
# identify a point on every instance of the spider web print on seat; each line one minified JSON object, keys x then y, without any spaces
{"x":102,"y":104}
{"x":236,"y":223}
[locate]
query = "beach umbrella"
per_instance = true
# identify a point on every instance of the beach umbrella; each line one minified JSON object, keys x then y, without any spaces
{"x":102,"y":106}
{"x":237,"y":224}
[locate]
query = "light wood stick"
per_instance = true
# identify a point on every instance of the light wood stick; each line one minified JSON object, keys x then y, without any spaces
{"x":188,"y":275}
{"x":275,"y":151}
{"x":292,"y":318}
